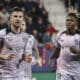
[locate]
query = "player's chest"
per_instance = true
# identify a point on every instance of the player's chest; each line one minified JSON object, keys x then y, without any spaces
{"x":14,"y":40}
{"x":69,"y":40}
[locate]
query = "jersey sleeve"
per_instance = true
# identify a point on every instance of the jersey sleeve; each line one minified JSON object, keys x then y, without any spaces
{"x":57,"y":44}
{"x":2,"y":33}
{"x":34,"y":43}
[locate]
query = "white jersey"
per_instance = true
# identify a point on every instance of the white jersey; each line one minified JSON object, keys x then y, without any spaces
{"x":68,"y":62}
{"x":30,"y":44}
{"x":13,"y":44}
{"x":26,"y":67}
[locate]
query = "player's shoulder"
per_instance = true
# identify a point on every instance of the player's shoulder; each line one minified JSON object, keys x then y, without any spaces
{"x":61,"y":33}
{"x":2,"y":32}
{"x":30,"y":36}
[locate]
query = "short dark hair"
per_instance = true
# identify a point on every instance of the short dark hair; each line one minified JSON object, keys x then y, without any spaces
{"x":16,"y":9}
{"x":72,"y":14}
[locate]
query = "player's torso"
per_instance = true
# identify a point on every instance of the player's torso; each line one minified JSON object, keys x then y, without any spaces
{"x":13,"y":44}
{"x":67,"y":41}
{"x":66,"y":60}
{"x":26,"y":67}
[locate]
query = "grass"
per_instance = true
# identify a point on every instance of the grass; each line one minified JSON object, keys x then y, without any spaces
{"x":44,"y":76}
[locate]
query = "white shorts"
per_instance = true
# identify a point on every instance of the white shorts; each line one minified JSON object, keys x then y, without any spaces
{"x":66,"y":76}
{"x":7,"y":78}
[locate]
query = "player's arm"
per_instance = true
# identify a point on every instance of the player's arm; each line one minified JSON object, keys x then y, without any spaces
{"x":6,"y":56}
{"x":74,"y":50}
{"x":36,"y":52}
{"x":38,"y":60}
{"x":55,"y":54}
{"x":56,"y":51}
{"x":27,"y":57}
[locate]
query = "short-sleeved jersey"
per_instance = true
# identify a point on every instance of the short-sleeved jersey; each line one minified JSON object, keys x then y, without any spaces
{"x":26,"y":67}
{"x":13,"y":44}
{"x":30,"y":44}
{"x":67,"y":60}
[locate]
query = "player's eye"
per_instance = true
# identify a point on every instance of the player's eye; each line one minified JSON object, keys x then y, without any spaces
{"x":20,"y":16}
{"x":22,"y":24}
{"x":69,"y":20}
{"x":15,"y":16}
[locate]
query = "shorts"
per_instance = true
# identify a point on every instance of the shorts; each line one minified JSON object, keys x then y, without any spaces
{"x":7,"y":78}
{"x":66,"y":76}
{"x":12,"y":78}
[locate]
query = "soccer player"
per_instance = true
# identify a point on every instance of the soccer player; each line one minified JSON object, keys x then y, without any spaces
{"x":67,"y":51}
{"x":30,"y":47}
{"x":12,"y":47}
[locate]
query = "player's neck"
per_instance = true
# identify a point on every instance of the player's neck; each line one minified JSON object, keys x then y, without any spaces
{"x":71,"y":32}
{"x":15,"y":30}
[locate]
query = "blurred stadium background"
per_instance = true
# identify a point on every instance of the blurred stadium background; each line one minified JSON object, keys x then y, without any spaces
{"x":44,"y":18}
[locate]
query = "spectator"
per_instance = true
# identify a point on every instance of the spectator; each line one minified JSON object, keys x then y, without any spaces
{"x":40,"y":28}
{"x":50,"y":28}
{"x":29,"y":4}
{"x":2,"y":25}
{"x":44,"y":14}
{"x":30,"y":25}
{"x":46,"y":38}
{"x":4,"y":14}
{"x":18,"y":3}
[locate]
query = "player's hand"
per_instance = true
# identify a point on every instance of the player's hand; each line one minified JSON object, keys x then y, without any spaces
{"x":8,"y":56}
{"x":39,"y":62}
{"x":28,"y":58}
{"x":73,"y":50}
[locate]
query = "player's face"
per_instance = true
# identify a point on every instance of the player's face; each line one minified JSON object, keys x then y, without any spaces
{"x":23,"y":26}
{"x":70,"y":22}
{"x":16,"y":18}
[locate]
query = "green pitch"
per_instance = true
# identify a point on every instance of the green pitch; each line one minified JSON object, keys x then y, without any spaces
{"x":44,"y":76}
